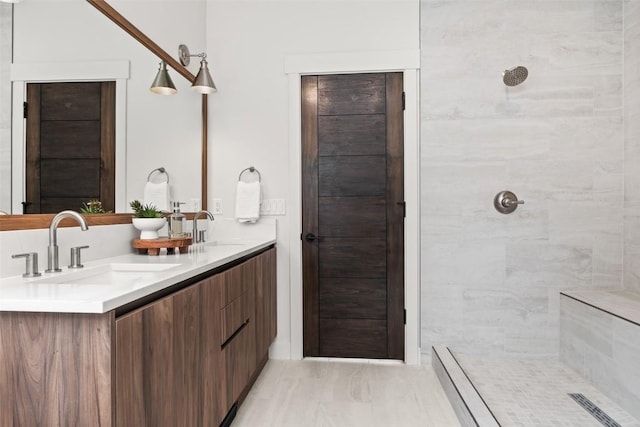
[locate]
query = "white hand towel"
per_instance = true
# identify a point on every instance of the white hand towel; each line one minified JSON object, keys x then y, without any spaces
{"x":248,"y":201}
{"x":157,"y":193}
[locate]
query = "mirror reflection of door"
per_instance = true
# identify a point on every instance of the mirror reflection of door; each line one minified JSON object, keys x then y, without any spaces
{"x":70,"y":149}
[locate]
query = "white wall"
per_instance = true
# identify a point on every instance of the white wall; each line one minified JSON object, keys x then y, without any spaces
{"x":5,"y":106}
{"x":247,"y":42}
{"x":490,"y":282}
{"x":160,"y":130}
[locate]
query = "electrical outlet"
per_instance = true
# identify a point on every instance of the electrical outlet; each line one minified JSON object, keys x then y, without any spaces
{"x":195,"y":205}
{"x":216,"y":206}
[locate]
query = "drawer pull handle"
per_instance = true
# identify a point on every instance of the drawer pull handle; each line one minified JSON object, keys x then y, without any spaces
{"x":224,"y":344}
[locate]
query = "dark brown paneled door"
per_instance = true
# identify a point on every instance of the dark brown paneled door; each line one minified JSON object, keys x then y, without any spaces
{"x":353,"y":215}
{"x":70,"y":145}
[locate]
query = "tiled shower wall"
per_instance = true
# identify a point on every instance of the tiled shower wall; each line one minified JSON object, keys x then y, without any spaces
{"x":632,"y":144}
{"x":490,"y":282}
{"x":5,"y":106}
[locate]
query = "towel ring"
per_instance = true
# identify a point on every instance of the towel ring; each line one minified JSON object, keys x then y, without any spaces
{"x":159,"y":170}
{"x":251,"y":169}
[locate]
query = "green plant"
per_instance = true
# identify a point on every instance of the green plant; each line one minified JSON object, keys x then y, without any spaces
{"x":145,"y":211}
{"x":93,"y":207}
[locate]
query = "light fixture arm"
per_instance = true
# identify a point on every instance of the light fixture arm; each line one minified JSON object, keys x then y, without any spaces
{"x":185,"y":56}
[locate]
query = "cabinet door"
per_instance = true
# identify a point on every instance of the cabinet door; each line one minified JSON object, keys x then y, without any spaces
{"x":237,"y":330}
{"x":265,"y":302}
{"x":158,"y":363}
{"x":214,"y":399}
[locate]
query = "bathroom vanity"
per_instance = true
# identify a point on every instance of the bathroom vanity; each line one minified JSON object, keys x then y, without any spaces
{"x":138,"y":340}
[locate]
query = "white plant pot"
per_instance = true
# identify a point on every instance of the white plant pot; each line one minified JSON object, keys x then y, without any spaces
{"x":148,"y":227}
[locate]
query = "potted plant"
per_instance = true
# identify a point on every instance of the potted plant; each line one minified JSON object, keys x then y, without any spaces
{"x":93,"y":207}
{"x":148,"y":219}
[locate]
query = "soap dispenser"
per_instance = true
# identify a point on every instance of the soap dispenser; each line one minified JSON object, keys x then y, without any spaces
{"x":177,"y":222}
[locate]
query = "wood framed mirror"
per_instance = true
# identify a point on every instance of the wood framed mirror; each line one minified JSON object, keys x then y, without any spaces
{"x":17,"y":222}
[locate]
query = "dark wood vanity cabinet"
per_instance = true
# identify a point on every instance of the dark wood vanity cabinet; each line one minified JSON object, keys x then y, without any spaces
{"x":159,"y":356}
{"x":181,"y":360}
{"x":265,"y":314}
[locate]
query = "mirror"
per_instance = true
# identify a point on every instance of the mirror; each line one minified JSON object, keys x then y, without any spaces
{"x":158,"y":131}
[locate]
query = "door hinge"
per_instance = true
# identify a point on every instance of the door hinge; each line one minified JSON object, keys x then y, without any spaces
{"x":404,"y":208}
{"x":404,"y":102}
{"x":404,"y":317}
{"x":25,"y":110}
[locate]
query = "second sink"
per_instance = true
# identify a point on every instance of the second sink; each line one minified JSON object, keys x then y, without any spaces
{"x":114,"y":273}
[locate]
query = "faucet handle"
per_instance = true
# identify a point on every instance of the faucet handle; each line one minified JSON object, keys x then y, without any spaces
{"x":31,"y":265}
{"x":76,"y":261}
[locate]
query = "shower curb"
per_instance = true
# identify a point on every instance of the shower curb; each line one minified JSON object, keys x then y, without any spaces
{"x":470,"y":408}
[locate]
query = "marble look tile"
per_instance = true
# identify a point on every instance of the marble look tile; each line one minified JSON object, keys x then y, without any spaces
{"x":532,"y":392}
{"x":472,"y":186}
{"x":619,"y":376}
{"x":570,"y":181}
{"x":594,"y":139}
{"x":444,"y":228}
{"x":603,"y":348}
{"x":607,"y":265}
{"x":581,"y":223}
{"x":583,"y":323}
{"x":632,"y":267}
{"x":533,"y":17}
{"x":608,"y":93}
{"x":556,"y":265}
{"x":557,"y":141}
{"x":608,"y":185}
{"x":608,"y":15}
{"x":470,"y":263}
{"x":632,"y":145}
{"x":487,"y":140}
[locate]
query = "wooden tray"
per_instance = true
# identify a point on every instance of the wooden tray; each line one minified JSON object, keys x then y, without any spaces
{"x":152,"y":247}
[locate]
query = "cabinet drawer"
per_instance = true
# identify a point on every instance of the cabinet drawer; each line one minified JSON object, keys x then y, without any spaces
{"x":234,"y":284}
{"x":233,"y":316}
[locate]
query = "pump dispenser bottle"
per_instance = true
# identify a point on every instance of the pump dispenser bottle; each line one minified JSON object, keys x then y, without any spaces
{"x":177,"y":222}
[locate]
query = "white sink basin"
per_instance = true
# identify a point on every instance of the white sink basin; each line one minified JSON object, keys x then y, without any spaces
{"x":114,"y":273}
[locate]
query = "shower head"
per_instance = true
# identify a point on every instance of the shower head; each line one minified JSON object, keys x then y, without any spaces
{"x":514,"y":76}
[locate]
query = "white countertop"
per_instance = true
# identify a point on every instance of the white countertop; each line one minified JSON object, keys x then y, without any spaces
{"x":109,"y":283}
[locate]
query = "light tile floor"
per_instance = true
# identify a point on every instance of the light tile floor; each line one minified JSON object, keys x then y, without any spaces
{"x":535,"y":393}
{"x":312,"y":393}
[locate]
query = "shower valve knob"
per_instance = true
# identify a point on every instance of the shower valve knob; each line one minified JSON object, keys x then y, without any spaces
{"x":506,"y":202}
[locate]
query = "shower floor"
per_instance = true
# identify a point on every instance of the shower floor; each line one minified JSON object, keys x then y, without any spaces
{"x":535,"y":393}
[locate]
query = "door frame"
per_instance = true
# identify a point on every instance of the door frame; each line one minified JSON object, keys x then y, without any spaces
{"x":58,"y":72}
{"x":407,"y":62}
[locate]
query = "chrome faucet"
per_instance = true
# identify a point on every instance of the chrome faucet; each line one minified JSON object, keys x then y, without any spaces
{"x":199,"y":238}
{"x":52,"y":250}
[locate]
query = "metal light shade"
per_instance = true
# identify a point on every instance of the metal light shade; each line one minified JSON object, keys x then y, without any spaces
{"x":203,"y":82}
{"x":163,"y":84}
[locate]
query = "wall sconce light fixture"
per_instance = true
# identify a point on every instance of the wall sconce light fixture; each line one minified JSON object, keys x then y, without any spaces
{"x":203,"y":82}
{"x":163,"y":84}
